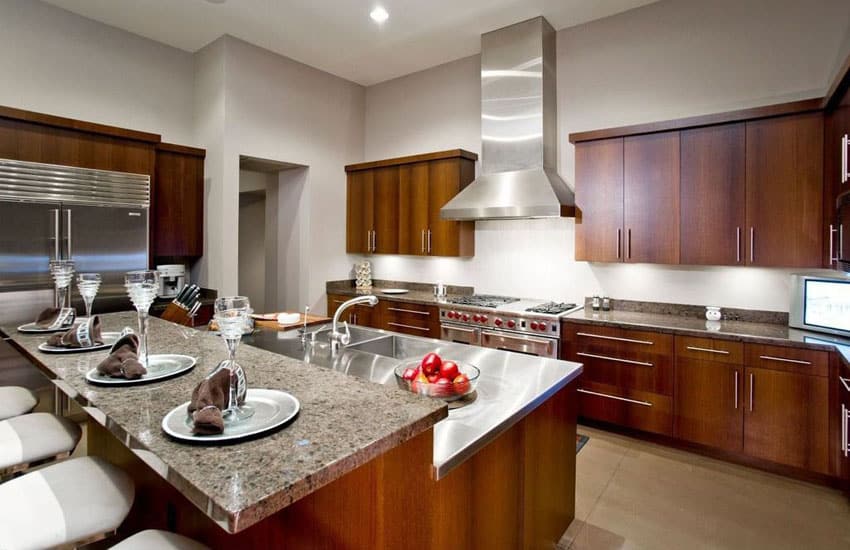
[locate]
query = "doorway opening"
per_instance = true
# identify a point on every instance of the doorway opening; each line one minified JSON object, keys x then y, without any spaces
{"x":272,"y":234}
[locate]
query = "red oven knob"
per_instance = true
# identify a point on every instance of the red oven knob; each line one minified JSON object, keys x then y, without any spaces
{"x":497,"y":322}
{"x":450,"y":314}
{"x":534,"y":325}
{"x":476,"y":318}
{"x":465,"y":317}
{"x":483,"y":318}
{"x":511,"y":323}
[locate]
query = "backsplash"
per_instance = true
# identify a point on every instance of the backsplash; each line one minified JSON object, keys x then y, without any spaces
{"x":695,"y":311}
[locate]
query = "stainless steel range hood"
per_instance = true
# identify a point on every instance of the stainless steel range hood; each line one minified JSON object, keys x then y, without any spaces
{"x":518,"y":130}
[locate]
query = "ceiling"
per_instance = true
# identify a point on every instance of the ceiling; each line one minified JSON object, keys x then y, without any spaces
{"x":338,"y":36}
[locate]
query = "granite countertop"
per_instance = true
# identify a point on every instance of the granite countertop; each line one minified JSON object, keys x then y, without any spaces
{"x":762,"y":333}
{"x":344,"y":422}
{"x":419,"y":293}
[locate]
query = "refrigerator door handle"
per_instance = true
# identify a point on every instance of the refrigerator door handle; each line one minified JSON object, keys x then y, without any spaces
{"x":55,"y":232}
{"x":68,"y":213}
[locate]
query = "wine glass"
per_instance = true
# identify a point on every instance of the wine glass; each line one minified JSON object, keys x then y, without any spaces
{"x":231,"y":315}
{"x":63,"y":273}
{"x":142,"y":287}
{"x":88,"y":284}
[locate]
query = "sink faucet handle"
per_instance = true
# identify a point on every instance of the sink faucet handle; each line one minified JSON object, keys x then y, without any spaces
{"x":345,"y":339}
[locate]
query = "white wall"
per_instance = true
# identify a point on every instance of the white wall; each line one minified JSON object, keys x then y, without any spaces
{"x":56,"y":62}
{"x":252,"y":248}
{"x":666,"y":60}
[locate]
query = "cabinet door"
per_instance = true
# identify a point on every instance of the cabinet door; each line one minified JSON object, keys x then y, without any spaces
{"x":447,"y":237}
{"x":599,"y":200}
{"x":385,"y":224}
{"x":708,"y":404}
{"x":651,"y":198}
{"x":713,"y":184}
{"x":359,"y":212}
{"x":413,"y":209}
{"x":178,"y":205}
{"x":786,"y":418}
{"x":835,"y":165}
{"x":785,"y":191}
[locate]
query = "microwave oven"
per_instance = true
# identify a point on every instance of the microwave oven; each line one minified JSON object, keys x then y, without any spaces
{"x":821,"y":303}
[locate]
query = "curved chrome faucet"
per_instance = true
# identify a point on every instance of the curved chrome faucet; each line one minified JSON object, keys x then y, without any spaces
{"x":337,"y":338}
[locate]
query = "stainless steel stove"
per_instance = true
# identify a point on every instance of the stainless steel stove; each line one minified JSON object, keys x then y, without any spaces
{"x":532,"y":327}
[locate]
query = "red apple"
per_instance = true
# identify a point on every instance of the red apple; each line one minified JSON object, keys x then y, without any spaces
{"x":431,"y":363}
{"x":449,"y":369}
{"x":432,"y":378}
{"x":461,"y":383}
{"x":443,"y":387}
{"x":410,"y":373}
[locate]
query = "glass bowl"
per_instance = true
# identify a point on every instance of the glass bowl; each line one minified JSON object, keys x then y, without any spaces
{"x":444,"y":392}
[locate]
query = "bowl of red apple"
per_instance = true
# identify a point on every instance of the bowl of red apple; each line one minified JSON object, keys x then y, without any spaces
{"x":434,"y":376}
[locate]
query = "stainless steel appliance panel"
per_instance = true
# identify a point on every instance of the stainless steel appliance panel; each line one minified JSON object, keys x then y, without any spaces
{"x":460,"y":335}
{"x":28,"y":241}
{"x":529,"y":345}
{"x":109,"y":241}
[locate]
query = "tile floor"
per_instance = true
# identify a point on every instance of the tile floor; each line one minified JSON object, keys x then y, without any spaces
{"x":633,"y":494}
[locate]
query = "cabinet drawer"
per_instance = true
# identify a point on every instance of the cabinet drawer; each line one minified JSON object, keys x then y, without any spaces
{"x":626,"y":359}
{"x":802,"y":361}
{"x":710,"y":349}
{"x":646,"y":411}
{"x":409,"y":318}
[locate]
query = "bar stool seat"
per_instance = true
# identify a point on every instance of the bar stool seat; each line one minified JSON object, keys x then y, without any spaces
{"x":153,"y":539}
{"x":74,"y":501}
{"x":33,"y":437}
{"x":15,"y":401}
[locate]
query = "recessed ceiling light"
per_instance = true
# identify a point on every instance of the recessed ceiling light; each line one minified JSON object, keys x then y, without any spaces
{"x":379,"y":14}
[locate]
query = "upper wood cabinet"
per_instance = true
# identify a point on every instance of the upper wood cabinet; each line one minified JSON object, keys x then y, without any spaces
{"x":651,"y":198}
{"x":599,"y":200}
{"x":177,"y":221}
{"x":785,"y":191}
{"x":712,"y":182}
{"x":715,"y":190}
{"x":393,"y":206}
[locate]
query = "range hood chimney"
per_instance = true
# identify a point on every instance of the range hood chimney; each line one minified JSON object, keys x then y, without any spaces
{"x":519,"y":122}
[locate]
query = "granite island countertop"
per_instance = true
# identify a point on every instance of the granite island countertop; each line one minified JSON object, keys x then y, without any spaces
{"x":344,"y":422}
{"x":744,"y":331}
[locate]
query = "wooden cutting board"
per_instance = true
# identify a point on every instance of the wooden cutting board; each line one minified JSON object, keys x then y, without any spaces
{"x":274,"y":325}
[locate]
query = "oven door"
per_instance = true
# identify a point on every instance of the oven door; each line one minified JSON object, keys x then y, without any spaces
{"x":529,"y":345}
{"x":460,"y":335}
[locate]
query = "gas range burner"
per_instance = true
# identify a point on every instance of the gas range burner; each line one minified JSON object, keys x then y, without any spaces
{"x":482,"y":300}
{"x":551,"y":308}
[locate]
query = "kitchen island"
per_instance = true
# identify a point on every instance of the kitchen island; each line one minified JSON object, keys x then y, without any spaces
{"x":355,"y":469}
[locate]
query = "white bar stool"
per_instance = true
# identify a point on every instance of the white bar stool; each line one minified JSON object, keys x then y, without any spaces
{"x":15,"y":401}
{"x":32,"y":438}
{"x":77,"y":501}
{"x":153,"y":539}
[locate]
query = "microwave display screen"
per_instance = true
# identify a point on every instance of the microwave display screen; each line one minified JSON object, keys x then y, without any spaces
{"x":827,"y":304}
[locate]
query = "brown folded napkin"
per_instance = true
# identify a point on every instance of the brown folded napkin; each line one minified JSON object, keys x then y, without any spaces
{"x":84,"y":335}
{"x":123,"y":360}
{"x":209,"y":398}
{"x":47,"y":317}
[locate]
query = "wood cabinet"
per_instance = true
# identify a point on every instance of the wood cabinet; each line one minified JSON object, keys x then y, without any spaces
{"x":709,"y":390}
{"x":361,"y":314}
{"x":651,"y":198}
{"x":393,"y":206}
{"x":177,"y":220}
{"x":713,"y":179}
{"x":785,"y":191}
{"x":836,"y":165}
{"x":410,"y":318}
{"x":599,"y":200}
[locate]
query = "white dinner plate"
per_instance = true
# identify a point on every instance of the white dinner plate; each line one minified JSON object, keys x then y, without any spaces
{"x":395,"y":291}
{"x":160,"y":367}
{"x":109,"y":338}
{"x":32,"y":328}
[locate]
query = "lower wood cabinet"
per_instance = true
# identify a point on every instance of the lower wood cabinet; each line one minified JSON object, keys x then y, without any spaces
{"x":404,"y":317}
{"x":362,"y":315}
{"x":760,"y":401}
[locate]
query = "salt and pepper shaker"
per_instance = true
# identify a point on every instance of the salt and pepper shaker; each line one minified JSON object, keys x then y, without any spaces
{"x":596,"y":303}
{"x":606,"y":303}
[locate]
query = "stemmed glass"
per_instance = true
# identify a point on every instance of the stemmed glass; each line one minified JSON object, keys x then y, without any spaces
{"x":142,"y":287}
{"x":63,"y":273}
{"x":88,"y":284}
{"x":231,"y":314}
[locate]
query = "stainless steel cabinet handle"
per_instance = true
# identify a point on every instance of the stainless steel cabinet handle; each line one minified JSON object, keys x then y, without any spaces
{"x":630,"y":243}
{"x":840,"y":241}
{"x":629,"y":340}
{"x":845,"y":158}
{"x":56,"y":251}
{"x":616,"y":397}
{"x":844,"y":430}
{"x":70,"y":254}
{"x":752,"y":244}
{"x":506,"y":337}
{"x":738,"y":244}
{"x":832,"y":232}
{"x":719,"y":351}
{"x":845,"y":382}
{"x":402,"y":310}
{"x":617,"y":359}
{"x":369,"y":240}
{"x":752,"y":383}
{"x":783,"y":360}
{"x":736,"y":390}
{"x":619,"y":242}
{"x":423,"y":241}
{"x":429,"y":241}
{"x":374,"y":240}
{"x":408,"y":326}
{"x":460,"y":329}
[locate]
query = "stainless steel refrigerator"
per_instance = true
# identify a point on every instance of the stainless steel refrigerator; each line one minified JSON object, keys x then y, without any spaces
{"x":95,"y":217}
